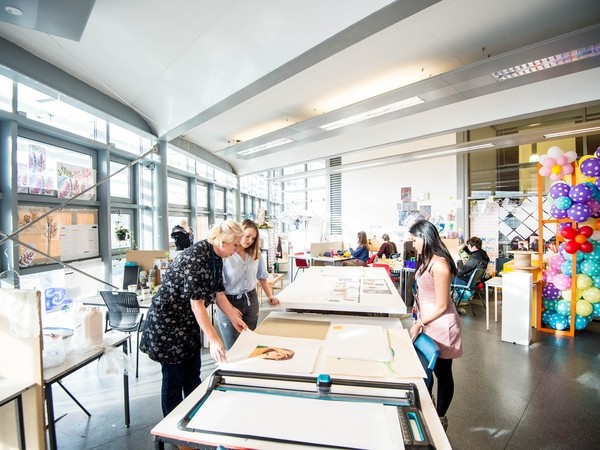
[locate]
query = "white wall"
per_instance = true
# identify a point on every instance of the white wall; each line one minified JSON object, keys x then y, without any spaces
{"x":370,"y":196}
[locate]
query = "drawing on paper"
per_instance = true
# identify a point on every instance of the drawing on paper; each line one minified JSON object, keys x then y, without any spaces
{"x":272,"y":353}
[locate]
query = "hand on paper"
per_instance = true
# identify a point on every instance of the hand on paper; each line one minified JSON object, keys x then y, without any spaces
{"x":217,"y":350}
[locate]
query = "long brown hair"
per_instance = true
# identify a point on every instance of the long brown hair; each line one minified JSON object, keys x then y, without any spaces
{"x":362,"y":239}
{"x":254,"y":249}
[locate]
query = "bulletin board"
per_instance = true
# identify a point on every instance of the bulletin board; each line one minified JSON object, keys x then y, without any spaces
{"x":145,"y":259}
{"x":484,"y":225}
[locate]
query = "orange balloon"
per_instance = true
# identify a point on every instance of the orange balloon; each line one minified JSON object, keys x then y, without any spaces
{"x":580,"y":239}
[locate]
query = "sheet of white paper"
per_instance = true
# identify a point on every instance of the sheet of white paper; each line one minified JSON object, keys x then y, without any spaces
{"x":334,"y":423}
{"x":298,"y":356}
{"x":365,"y":342}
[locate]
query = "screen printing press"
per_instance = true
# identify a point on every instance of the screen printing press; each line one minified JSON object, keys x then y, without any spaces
{"x":282,"y":391}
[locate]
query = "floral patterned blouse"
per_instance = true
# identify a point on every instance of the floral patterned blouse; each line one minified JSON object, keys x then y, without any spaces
{"x":170,"y":333}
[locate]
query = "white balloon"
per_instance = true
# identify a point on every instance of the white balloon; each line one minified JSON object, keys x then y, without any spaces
{"x":571,"y":156}
{"x":555,"y":151}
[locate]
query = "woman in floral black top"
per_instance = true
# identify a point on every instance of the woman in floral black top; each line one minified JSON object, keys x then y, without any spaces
{"x":171,"y":331}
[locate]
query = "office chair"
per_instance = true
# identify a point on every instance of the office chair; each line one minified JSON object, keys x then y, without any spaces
{"x":463,"y":294}
{"x":427,"y":351}
{"x":395,"y":280}
{"x":300,"y":264}
{"x":124,"y":315}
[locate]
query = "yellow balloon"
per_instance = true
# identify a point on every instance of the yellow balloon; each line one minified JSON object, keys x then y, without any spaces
{"x":584,"y":308}
{"x":592,"y":295}
{"x":566,"y":294}
{"x":583,"y":281}
{"x":556,"y":169}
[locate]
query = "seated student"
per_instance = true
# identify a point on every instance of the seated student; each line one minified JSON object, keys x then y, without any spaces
{"x":478,"y":259}
{"x":387,"y":248}
{"x":361,"y":254}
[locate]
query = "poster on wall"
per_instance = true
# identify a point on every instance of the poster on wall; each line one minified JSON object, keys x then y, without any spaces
{"x":484,"y":224}
{"x":405,"y":194}
{"x":78,"y":242}
{"x":73,"y":180}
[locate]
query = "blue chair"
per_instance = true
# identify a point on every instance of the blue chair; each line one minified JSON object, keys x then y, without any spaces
{"x":427,"y":351}
{"x":462,"y":294}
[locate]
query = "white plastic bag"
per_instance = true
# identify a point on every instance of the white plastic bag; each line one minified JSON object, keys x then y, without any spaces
{"x":113,"y":362}
{"x":54,"y":351}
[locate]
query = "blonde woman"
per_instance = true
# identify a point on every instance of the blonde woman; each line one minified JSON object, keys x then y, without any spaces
{"x":238,"y":305}
{"x":171,"y":331}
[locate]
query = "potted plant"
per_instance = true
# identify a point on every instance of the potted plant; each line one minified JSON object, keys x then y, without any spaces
{"x":122,"y":233}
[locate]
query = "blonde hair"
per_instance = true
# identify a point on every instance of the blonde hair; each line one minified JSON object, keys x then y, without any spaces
{"x":225,"y":232}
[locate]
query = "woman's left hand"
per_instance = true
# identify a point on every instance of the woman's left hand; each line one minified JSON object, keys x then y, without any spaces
{"x":415,"y":330}
{"x":273,"y":300}
{"x":217,"y":350}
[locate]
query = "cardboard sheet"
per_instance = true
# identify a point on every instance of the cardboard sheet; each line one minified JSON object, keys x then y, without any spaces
{"x":272,"y":354}
{"x":363,"y":342}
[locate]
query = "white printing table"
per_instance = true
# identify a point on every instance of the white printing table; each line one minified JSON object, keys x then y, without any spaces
{"x":496,"y":283}
{"x":168,"y":431}
{"x":318,"y":289}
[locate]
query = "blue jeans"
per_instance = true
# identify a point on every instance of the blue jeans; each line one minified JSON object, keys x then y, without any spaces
{"x":247,"y":303}
{"x":178,"y":381}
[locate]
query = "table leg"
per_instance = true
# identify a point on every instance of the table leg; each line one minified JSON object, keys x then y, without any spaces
{"x":126,"y":387}
{"x":496,"y":303}
{"x":20,"y":422}
{"x":50,"y":417}
{"x":487,"y":308}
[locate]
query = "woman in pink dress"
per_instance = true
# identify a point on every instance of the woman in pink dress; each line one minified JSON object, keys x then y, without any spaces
{"x":435,"y":313}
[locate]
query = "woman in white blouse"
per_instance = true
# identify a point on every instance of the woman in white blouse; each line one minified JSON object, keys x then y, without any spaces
{"x":238,"y":306}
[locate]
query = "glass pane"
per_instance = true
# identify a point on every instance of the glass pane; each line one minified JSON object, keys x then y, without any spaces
{"x":65,"y":235}
{"x":6,"y":93}
{"x":57,"y":172}
{"x":124,"y":139}
{"x":179,"y":160}
{"x":202,"y":227}
{"x":178,"y":192}
{"x":219,"y":199}
{"x":202,"y":195}
{"x":120,"y":183}
{"x":49,"y":108}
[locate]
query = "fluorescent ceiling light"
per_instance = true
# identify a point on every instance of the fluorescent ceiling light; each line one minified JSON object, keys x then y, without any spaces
{"x":548,"y":62}
{"x":402,"y":104}
{"x":260,"y":148}
{"x":455,"y":150}
{"x":571,"y":132}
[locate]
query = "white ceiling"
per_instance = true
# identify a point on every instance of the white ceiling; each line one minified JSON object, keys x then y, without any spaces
{"x":215,"y":72}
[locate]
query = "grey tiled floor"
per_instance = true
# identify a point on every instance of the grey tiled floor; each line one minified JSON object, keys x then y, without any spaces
{"x":545,"y":396}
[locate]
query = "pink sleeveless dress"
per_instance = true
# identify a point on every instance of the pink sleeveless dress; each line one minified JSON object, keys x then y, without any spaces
{"x":445,"y":330}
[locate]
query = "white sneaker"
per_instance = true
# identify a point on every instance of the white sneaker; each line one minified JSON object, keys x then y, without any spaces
{"x":461,"y":311}
{"x":444,"y":421}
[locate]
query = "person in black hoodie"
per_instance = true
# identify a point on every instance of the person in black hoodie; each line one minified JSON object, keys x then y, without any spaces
{"x":182,"y":236}
{"x":478,"y":259}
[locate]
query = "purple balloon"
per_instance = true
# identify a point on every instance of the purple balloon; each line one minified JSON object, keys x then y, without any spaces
{"x":550,"y":291}
{"x":579,"y":212}
{"x":597,"y":152}
{"x":558,"y":213}
{"x":594,"y":206}
{"x":590,"y":167}
{"x":559,"y":189}
{"x":580,"y":193}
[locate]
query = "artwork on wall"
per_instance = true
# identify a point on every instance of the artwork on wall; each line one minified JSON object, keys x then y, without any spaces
{"x":72,"y":180}
{"x":405,"y":194}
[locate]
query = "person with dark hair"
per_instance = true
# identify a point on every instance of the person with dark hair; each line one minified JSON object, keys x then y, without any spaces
{"x":387,"y":248}
{"x":181,"y":235}
{"x":434,"y":313}
{"x":477,"y":259}
{"x":171,"y":330}
{"x":360,"y":255}
{"x":238,"y":305}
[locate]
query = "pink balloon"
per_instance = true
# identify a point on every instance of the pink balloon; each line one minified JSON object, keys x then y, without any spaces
{"x":545,"y":171}
{"x":562,"y":160}
{"x":556,"y":261}
{"x":562,"y":281}
{"x":567,"y":170}
{"x":548,"y":162}
{"x":548,"y":275}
